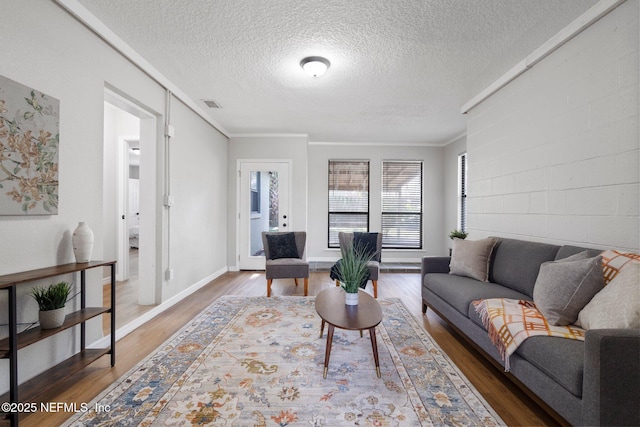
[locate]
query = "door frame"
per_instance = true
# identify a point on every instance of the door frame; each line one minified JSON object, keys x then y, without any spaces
{"x":149,"y":285}
{"x":264,"y":164}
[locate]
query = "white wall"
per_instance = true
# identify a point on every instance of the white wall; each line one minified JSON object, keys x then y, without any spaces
{"x":451,"y":201}
{"x":73,"y":65}
{"x":198,"y":219}
{"x":554,"y":155}
{"x":288,"y":147}
{"x":433,"y":221}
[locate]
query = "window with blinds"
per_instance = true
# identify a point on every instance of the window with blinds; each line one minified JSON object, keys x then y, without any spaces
{"x":462,"y":192}
{"x":348,"y":198}
{"x":402,"y":204}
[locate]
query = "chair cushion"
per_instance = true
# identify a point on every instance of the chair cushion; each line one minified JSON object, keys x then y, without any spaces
{"x":282,"y":245}
{"x":286,"y":268}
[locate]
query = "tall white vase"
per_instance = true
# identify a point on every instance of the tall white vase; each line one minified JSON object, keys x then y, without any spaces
{"x":82,"y":240}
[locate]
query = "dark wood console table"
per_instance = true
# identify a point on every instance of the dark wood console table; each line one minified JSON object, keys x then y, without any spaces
{"x":9,"y":346}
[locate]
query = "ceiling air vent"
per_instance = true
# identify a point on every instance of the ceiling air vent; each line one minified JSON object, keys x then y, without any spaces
{"x":211,"y":103}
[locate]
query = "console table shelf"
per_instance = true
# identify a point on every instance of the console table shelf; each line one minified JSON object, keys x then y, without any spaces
{"x":34,"y":335}
{"x":30,"y":390}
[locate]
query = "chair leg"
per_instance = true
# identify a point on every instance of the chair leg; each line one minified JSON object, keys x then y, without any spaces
{"x":375,"y":288}
{"x":269,"y":287}
{"x":306,"y":286}
{"x":296,"y":281}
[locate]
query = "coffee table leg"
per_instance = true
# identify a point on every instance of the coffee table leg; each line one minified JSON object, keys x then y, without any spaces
{"x":321,"y":328}
{"x":328,"y":350}
{"x":374,"y":344}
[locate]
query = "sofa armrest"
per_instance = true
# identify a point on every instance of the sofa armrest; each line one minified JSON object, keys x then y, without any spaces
{"x":435,"y":264}
{"x":611,"y":387}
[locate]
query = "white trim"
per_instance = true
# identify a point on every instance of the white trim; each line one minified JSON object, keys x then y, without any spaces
{"x":389,"y":144}
{"x":585,"y":20}
{"x":134,"y":324}
{"x":85,"y":17}
{"x":268,"y":135}
{"x":455,"y":138}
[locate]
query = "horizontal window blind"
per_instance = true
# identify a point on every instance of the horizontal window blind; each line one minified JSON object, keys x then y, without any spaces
{"x":348,"y":198}
{"x":463,"y":192}
{"x":402,"y":204}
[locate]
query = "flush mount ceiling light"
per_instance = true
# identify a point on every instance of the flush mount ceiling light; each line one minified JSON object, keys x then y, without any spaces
{"x":315,"y":66}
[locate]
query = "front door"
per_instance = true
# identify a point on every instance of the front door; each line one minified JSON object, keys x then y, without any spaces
{"x":264,"y":206}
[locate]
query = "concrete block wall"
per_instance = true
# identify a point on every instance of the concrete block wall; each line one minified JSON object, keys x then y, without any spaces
{"x":554,"y":155}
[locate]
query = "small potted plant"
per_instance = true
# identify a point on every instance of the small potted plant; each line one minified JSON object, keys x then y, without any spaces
{"x":459,"y":234}
{"x":353,"y":271}
{"x":51,"y":301}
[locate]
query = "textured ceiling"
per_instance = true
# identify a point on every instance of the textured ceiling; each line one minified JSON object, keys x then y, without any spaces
{"x":400,"y":70}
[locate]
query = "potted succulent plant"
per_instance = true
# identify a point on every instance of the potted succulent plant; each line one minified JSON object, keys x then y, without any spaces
{"x":459,"y":234}
{"x":353,"y":271}
{"x":51,"y":301}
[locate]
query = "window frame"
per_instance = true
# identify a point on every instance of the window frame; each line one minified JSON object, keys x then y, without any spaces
{"x":336,"y":244}
{"x":419,"y":214}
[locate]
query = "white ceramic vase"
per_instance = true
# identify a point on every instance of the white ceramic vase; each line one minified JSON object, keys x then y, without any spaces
{"x":351,"y":299}
{"x":51,"y":319}
{"x":82,"y":240}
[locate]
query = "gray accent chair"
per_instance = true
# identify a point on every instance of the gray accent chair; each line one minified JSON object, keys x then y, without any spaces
{"x":286,"y":268}
{"x":346,"y":240}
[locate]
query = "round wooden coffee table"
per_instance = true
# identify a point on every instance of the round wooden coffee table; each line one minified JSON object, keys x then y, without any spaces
{"x":332,"y":310}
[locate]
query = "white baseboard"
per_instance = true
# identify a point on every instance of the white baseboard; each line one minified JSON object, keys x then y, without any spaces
{"x":134,"y":324}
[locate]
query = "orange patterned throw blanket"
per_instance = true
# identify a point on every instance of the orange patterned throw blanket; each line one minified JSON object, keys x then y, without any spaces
{"x":509,"y":322}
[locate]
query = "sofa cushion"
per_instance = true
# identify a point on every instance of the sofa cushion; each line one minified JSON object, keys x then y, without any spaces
{"x":515,"y":263}
{"x":565,"y":286}
{"x":616,"y":306}
{"x":460,"y":291}
{"x":560,"y":358}
{"x":471,"y":258}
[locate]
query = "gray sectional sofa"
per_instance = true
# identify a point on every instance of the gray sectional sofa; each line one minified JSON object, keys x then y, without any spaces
{"x":595,"y":382}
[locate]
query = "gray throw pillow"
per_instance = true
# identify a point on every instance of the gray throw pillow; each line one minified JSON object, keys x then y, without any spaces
{"x":471,"y":258}
{"x":565,"y":286}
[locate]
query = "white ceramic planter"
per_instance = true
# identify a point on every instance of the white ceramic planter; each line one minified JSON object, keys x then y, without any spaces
{"x":51,"y":319}
{"x":82,"y":240}
{"x":351,"y":299}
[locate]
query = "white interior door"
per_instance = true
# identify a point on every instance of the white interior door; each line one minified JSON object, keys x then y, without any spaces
{"x":264,"y":206}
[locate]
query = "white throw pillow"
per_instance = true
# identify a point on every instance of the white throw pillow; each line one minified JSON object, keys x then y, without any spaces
{"x":617,"y":305}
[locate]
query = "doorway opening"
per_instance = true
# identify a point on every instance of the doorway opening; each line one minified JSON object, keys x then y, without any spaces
{"x":130,"y":212}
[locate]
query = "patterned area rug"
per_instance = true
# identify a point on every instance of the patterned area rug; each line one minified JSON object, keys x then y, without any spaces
{"x":259,"y":362}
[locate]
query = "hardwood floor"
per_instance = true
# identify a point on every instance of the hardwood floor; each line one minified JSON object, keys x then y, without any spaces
{"x":127,"y":305}
{"x":515,"y":408}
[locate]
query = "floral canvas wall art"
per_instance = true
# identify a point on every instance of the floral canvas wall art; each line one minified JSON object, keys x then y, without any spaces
{"x":29,"y":137}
